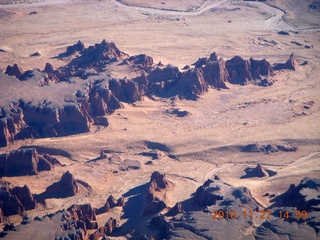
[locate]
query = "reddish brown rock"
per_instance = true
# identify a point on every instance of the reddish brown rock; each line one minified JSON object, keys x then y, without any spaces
{"x":215,"y":73}
{"x":191,"y":84}
{"x":81,"y":211}
{"x":164,"y":74}
{"x":155,"y":195}
{"x":78,"y":47}
{"x":142,"y":60}
{"x":260,"y":68}
{"x":239,"y":70}
{"x":290,"y":64}
{"x":66,"y":187}
{"x":81,"y":217}
{"x":19,"y":162}
{"x":125,"y":90}
{"x":14,"y":71}
{"x":107,"y":229}
{"x":15,"y":200}
{"x":304,"y":196}
{"x":95,"y":57}
{"x":204,"y":198}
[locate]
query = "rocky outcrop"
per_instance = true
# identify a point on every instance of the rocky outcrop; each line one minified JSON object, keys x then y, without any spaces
{"x":79,"y":217}
{"x":258,"y":171}
{"x":160,"y":223}
{"x":239,"y":70}
{"x":204,"y":198}
{"x":15,"y":200}
{"x":268,"y":147}
{"x":141,"y":60}
{"x":102,"y":100}
{"x":95,"y":57}
{"x":217,"y":192}
{"x":111,"y":203}
{"x":66,"y":187}
{"x":155,"y":196}
{"x":215,"y":73}
{"x":25,"y":161}
{"x":14,"y":70}
{"x":107,"y":229}
{"x":176,"y":209}
{"x":125,"y":90}
{"x":93,"y":99}
{"x":78,"y":47}
{"x":304,"y":196}
{"x":191,"y":84}
{"x":25,"y":120}
{"x":290,"y":64}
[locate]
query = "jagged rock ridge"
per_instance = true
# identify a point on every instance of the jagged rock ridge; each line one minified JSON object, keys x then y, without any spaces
{"x":100,"y":94}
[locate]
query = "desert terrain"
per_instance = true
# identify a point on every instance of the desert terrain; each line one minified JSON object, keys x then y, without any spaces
{"x":245,"y":137}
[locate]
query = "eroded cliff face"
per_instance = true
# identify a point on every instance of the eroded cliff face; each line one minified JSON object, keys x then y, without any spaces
{"x":82,"y":93}
{"x":15,"y":200}
{"x":155,"y":195}
{"x":25,"y":161}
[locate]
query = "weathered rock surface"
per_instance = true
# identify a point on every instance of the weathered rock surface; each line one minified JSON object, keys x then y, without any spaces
{"x":290,"y":64}
{"x":15,"y":200}
{"x":268,"y":148}
{"x":25,"y":161}
{"x":14,"y":70}
{"x":155,"y":196}
{"x":107,"y":229}
{"x":66,"y":187}
{"x":176,"y":209}
{"x":93,"y":93}
{"x":304,"y":196}
{"x":258,"y":171}
{"x":142,"y":60}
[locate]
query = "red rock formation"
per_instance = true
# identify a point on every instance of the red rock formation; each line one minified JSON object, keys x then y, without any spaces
{"x":164,"y":74}
{"x":79,"y":212}
{"x":191,"y":84}
{"x":304,"y":196}
{"x":78,"y":47}
{"x":239,"y":70}
{"x":142,"y":60}
{"x":95,"y":57}
{"x":155,"y":194}
{"x":290,"y":64}
{"x":260,"y":68}
{"x":107,"y":229}
{"x":205,"y":198}
{"x":15,"y":200}
{"x":14,"y":71}
{"x":215,"y":73}
{"x":19,"y":162}
{"x":125,"y":90}
{"x":66,"y":187}
{"x":80,"y":217}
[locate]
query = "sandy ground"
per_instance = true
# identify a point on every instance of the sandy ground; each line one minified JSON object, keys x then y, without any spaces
{"x":209,"y":139}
